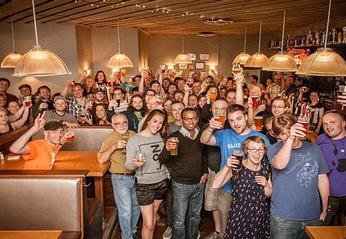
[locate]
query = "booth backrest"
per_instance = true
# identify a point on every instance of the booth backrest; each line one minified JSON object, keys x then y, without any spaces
{"x":87,"y":138}
{"x":41,"y":202}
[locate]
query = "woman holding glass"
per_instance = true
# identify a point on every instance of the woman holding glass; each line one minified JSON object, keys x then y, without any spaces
{"x":142,"y":154}
{"x":249,"y":212}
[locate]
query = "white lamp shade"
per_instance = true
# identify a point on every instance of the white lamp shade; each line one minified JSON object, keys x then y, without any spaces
{"x":119,"y":61}
{"x":39,"y":62}
{"x":257,"y":60}
{"x":11,"y":60}
{"x":241,"y":58}
{"x":324,"y":62}
{"x":182,"y":59}
{"x":281,"y":62}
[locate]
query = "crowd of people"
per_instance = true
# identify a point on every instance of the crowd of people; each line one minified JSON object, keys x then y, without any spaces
{"x":230,"y":145}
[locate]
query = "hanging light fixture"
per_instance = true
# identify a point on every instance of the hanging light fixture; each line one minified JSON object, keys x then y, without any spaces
{"x":257,"y":60}
{"x":242,"y":57}
{"x":281,"y":61}
{"x":182,"y":58}
{"x":39,"y":62}
{"x":324,"y":62}
{"x":11,"y":60}
{"x":119,"y":60}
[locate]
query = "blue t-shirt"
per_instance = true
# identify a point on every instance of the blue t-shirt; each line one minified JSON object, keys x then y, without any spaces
{"x":228,"y":140}
{"x":295,"y":188}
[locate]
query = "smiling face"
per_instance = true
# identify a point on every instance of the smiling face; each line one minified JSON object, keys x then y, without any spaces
{"x":3,"y":117}
{"x":155,"y":124}
{"x":278,"y":107}
{"x":25,"y":91}
{"x":237,"y":121}
{"x":334,"y":125}
{"x":176,"y":110}
{"x":13,"y":107}
{"x":190,"y":120}
{"x":137,"y":103}
{"x":255,"y":152}
{"x":53,"y":136}
{"x":120,"y":123}
{"x":4,"y":86}
{"x":100,"y":112}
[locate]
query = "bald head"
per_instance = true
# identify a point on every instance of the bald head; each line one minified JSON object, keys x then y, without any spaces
{"x":334,"y":125}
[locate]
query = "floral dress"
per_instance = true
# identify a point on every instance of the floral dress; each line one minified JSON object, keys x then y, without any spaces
{"x":249,"y":213}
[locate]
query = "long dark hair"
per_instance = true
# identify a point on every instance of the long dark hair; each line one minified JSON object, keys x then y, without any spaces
{"x":163,"y":130}
{"x":143,"y":110}
{"x":104,"y":75}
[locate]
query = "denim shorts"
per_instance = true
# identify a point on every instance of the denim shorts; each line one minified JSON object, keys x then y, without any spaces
{"x":147,"y":193}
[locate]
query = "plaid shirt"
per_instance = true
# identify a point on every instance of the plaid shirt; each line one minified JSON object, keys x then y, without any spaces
{"x":74,"y":107}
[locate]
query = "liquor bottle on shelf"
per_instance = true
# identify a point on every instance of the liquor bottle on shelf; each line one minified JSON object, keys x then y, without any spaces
{"x":334,"y":36}
{"x":344,"y":35}
{"x":317,"y":38}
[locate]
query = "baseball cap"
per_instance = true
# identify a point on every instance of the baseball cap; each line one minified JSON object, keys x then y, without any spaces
{"x":59,"y":97}
{"x":53,"y":125}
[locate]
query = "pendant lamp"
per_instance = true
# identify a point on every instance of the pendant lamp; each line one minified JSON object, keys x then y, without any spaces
{"x":257,"y":60}
{"x":281,"y":61}
{"x":325,"y":61}
{"x":182,"y":58}
{"x":39,"y":62}
{"x":119,"y":60}
{"x":11,"y":60}
{"x":242,"y":57}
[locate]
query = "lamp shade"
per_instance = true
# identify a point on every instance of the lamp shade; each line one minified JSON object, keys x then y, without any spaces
{"x":281,"y":62}
{"x":11,"y":60}
{"x":241,"y":58}
{"x":119,"y":61}
{"x":182,"y":59}
{"x":324,"y":62}
{"x":257,"y":60}
{"x":39,"y":62}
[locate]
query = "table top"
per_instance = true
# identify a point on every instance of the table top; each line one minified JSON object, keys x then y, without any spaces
{"x":326,"y":232}
{"x":67,"y":160}
{"x":31,"y":234}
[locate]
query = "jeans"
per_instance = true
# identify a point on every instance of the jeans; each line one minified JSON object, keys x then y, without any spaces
{"x":127,"y":205}
{"x":169,"y":205}
{"x":281,"y":228}
{"x":187,"y":205}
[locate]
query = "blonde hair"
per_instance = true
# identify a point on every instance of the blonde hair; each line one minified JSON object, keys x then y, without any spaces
{"x":255,"y":139}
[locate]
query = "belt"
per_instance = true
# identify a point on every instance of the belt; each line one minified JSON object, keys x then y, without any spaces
{"x":125,"y":174}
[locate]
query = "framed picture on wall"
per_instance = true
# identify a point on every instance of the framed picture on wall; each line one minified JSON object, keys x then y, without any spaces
{"x":199,"y":66}
{"x":182,"y":66}
{"x":193,"y":56}
{"x":204,"y":57}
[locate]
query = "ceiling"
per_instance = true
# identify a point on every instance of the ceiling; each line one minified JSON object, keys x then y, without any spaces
{"x":175,"y":16}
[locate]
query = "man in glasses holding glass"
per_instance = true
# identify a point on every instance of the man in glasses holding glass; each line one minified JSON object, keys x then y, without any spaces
{"x":184,"y":155}
{"x":123,"y":180}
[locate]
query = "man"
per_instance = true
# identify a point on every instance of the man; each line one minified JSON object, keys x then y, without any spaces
{"x":118,"y":104}
{"x":332,"y":144}
{"x":254,"y":82}
{"x":177,"y":107}
{"x":123,"y":180}
{"x":59,"y":113}
{"x":155,"y":86}
{"x":218,"y":107}
{"x":300,"y":181}
{"x":231,"y":96}
{"x":38,"y":153}
{"x":4,"y":85}
{"x":276,"y":87}
{"x":44,"y":102}
{"x":25,"y":90}
{"x":228,"y":140}
{"x":187,"y":184}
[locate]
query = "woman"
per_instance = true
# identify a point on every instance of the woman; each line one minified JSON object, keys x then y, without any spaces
{"x":167,"y":105}
{"x":317,"y":112}
{"x":7,"y":126}
{"x":101,"y":117}
{"x":100,"y":80}
{"x":249,"y":213}
{"x":88,"y":84}
{"x":135,"y":112}
{"x":15,"y":111}
{"x":151,"y":177}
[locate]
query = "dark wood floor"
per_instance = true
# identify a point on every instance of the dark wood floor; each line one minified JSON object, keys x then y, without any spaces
{"x":206,"y":226}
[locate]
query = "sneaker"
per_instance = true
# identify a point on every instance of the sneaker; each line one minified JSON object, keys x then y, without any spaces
{"x":213,"y":235}
{"x":168,"y":233}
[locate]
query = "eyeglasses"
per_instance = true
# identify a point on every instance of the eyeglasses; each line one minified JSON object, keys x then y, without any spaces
{"x":278,"y":107}
{"x":190,"y":119}
{"x":253,"y":150}
{"x":117,"y":124}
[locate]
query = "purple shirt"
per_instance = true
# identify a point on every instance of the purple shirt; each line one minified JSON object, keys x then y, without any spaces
{"x":335,"y":154}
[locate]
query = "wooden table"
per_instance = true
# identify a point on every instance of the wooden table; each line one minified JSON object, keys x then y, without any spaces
{"x":326,"y":232}
{"x":72,"y":160}
{"x":31,"y":234}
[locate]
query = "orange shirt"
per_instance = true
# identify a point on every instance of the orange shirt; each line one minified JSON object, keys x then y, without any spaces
{"x":39,"y":156}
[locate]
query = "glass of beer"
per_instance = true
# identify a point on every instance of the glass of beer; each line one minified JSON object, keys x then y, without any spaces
{"x":305,"y":121}
{"x":258,"y":120}
{"x":236,"y":69}
{"x":140,"y":157}
{"x":174,"y":151}
{"x":213,"y":94}
{"x":255,"y":101}
{"x":239,"y":156}
{"x":27,"y":100}
{"x":220,"y":116}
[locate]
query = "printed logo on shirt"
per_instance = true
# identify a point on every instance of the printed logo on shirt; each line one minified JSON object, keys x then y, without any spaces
{"x":156,"y":151}
{"x":234,"y":146}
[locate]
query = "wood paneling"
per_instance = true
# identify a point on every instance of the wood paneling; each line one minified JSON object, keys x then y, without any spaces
{"x":105,"y":13}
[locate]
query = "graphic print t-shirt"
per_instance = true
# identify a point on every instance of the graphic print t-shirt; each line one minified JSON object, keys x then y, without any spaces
{"x":151,"y":171}
{"x":295,"y":188}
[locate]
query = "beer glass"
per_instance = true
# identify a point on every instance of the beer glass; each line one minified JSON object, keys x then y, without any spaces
{"x":239,"y":156}
{"x":27,"y":100}
{"x":258,"y":120}
{"x":213,"y":94}
{"x":220,"y":116}
{"x":70,"y":136}
{"x":174,"y":151}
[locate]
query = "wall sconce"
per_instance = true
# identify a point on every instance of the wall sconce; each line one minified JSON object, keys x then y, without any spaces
{"x":170,"y":66}
{"x":87,"y":72}
{"x":212,"y":67}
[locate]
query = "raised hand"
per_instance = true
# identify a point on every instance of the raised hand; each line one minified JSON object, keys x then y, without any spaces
{"x":261,"y":180}
{"x":40,"y":121}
